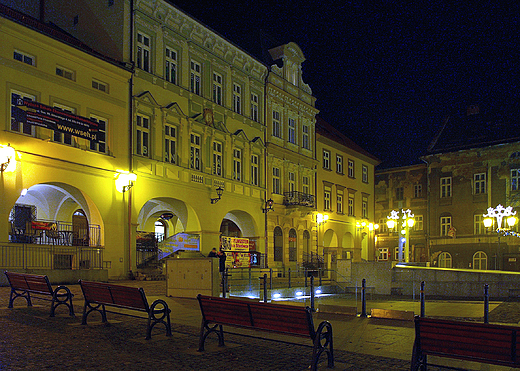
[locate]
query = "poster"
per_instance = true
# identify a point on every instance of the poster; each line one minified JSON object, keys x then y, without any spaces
{"x":180,"y":241}
{"x":237,"y":251}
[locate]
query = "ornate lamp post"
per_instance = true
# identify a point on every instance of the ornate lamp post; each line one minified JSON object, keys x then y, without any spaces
{"x":499,"y":213}
{"x":407,"y":222}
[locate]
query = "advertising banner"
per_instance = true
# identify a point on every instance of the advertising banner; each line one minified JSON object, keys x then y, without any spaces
{"x":237,"y":250}
{"x":180,"y":241}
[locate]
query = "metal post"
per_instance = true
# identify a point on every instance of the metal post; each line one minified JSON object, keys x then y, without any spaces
{"x":250,"y":285}
{"x":265,"y":287}
{"x":319,"y":274}
{"x":224,"y":283}
{"x":363,"y":298}
{"x":270,"y":278}
{"x":306,"y":274}
{"x":312,"y":293}
{"x":486,"y":303}
{"x":289,"y":277}
{"x":422,"y":299}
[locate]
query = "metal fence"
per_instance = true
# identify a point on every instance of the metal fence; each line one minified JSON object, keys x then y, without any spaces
{"x":27,"y":256}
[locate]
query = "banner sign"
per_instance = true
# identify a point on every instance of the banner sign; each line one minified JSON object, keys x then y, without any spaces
{"x":237,"y":250}
{"x":180,"y":241}
{"x":234,"y":244}
{"x":53,"y":118}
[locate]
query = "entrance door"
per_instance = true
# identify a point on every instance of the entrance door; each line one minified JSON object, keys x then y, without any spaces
{"x":80,"y":230}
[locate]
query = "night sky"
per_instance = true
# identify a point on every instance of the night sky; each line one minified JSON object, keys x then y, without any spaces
{"x":386,"y":75}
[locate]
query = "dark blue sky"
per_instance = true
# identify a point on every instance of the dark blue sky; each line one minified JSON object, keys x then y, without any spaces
{"x":387,"y":74}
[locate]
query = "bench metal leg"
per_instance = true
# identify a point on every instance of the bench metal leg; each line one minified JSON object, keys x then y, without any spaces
{"x":24,"y":294}
{"x":62,"y":298}
{"x":158,"y":315}
{"x":205,"y":330}
{"x":91,"y":309}
{"x":419,"y":360}
{"x":323,"y":343}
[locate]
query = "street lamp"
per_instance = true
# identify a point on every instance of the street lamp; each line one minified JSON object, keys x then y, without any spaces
{"x":407,"y":222}
{"x":499,"y":213}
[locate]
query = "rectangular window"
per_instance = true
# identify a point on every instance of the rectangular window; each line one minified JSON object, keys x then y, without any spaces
{"x":18,"y":124}
{"x":339,"y":202}
{"x":339,"y":164}
{"x":170,"y":66}
{"x":350,"y":168}
{"x":399,"y":193}
{"x":417,"y":191}
{"x":254,"y":107}
{"x":305,"y":185}
{"x":364,"y":174}
{"x":418,"y":223}
{"x":382,"y":253}
{"x":217,"y":88}
{"x":60,"y":137}
{"x":383,"y":227}
{"x":292,"y":131}
{"x":478,"y":225}
{"x":326,"y":159}
{"x":143,"y":52}
{"x":292,"y":182}
{"x":24,"y":57}
{"x":326,"y":198}
{"x":101,"y":144}
{"x":479,"y":181}
{"x":445,"y":225}
{"x":515,"y":179}
{"x":217,"y":158}
{"x":237,"y":98}
{"x":195,"y":156}
{"x":305,"y":137}
{"x":101,"y":86}
{"x":255,"y":170}
{"x":351,"y":204}
{"x":276,"y":180}
{"x":64,"y":72}
{"x":237,"y":164}
{"x":446,"y":187}
{"x":364,"y":208}
{"x":142,"y":135}
{"x":277,"y":126}
{"x":170,"y":144}
{"x":195,"y":77}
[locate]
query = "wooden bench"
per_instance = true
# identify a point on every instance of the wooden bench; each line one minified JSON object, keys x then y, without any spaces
{"x":24,"y":284}
{"x":470,"y":341}
{"x":284,"y":319}
{"x":99,"y":295}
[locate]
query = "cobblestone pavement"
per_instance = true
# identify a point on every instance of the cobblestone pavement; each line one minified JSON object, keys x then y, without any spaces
{"x":31,"y":340}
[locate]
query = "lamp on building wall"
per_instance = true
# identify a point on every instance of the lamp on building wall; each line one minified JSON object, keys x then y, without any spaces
{"x":219,"y":191}
{"x":408,"y":222}
{"x":7,"y":158}
{"x":268,"y":206}
{"x":503,"y":227}
{"x":320,"y":220}
{"x":125,"y":180}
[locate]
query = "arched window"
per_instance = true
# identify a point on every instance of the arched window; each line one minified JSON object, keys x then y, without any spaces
{"x":278,"y":244}
{"x":480,"y":260}
{"x":293,"y":243}
{"x":307,"y":244}
{"x":160,"y":230}
{"x":445,"y":260}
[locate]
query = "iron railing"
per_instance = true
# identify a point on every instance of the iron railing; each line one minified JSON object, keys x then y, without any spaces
{"x":298,"y":199}
{"x":52,"y":232}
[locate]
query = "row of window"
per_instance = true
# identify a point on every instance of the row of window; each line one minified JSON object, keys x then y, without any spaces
{"x":418,"y":225}
{"x":445,"y":260}
{"x":293,"y":244}
{"x":327,"y":201}
{"x":292,"y":186}
{"x":339,"y":166}
{"x":291,"y":134}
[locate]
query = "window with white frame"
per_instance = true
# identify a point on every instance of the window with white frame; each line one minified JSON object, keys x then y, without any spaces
{"x":142,"y":134}
{"x":58,"y":136}
{"x":237,"y":98}
{"x":382,"y":253}
{"x":255,"y":170}
{"x":217,"y":158}
{"x":445,"y":260}
{"x":383,"y":227}
{"x":237,"y":164}
{"x":339,"y":164}
{"x":478,"y":224}
{"x":480,"y":260}
{"x":364,"y":207}
{"x":170,"y":65}
{"x":326,"y":159}
{"x":351,"y":204}
{"x":417,"y":190}
{"x":399,"y":193}
{"x":339,"y":201}
{"x":479,"y":183}
{"x":292,"y":181}
{"x":445,"y":225}
{"x":18,"y":124}
{"x":277,"y":125}
{"x":100,"y":145}
{"x":305,"y":185}
{"x":276,"y":180}
{"x":418,"y":224}
{"x":195,"y":155}
{"x":217,"y":88}
{"x":364,"y":174}
{"x":254,"y":107}
{"x":515,"y":179}
{"x":195,"y":77}
{"x":326,"y":198}
{"x":351,"y":168}
{"x":143,"y":52}
{"x":24,"y":58}
{"x":65,"y":73}
{"x":446,"y":187}
{"x":292,"y":131}
{"x":306,"y":143}
{"x":170,"y":143}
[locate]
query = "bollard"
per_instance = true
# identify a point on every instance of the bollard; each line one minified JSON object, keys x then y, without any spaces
{"x":271,"y":278}
{"x":265,"y":287}
{"x":422,"y":299}
{"x":306,"y":274}
{"x":289,"y":277}
{"x":486,"y":303}
{"x":319,"y":274}
{"x":363,"y":298}
{"x":250,"y":285}
{"x":224,"y":283}
{"x":312,"y":293}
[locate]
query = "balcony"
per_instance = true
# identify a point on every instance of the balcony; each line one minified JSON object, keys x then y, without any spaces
{"x":295,"y":198}
{"x":52,"y":232}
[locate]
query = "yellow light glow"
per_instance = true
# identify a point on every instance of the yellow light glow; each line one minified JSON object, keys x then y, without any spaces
{"x":7,"y":158}
{"x":390,"y":223}
{"x":376,"y":226}
{"x":488,"y":222}
{"x":511,"y":221}
{"x":124,"y":180}
{"x":371,"y":226}
{"x":403,"y":231}
{"x":363,"y":224}
{"x":410,"y":222}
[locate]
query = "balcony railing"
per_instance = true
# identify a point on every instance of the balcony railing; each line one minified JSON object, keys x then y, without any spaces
{"x":298,"y":199}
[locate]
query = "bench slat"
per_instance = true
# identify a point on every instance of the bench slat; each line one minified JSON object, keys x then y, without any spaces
{"x":114,"y":295}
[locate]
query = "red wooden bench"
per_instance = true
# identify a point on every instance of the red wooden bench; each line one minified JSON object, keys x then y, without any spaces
{"x":99,"y":295}
{"x":284,"y":319}
{"x":24,"y":284}
{"x":470,"y":341}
